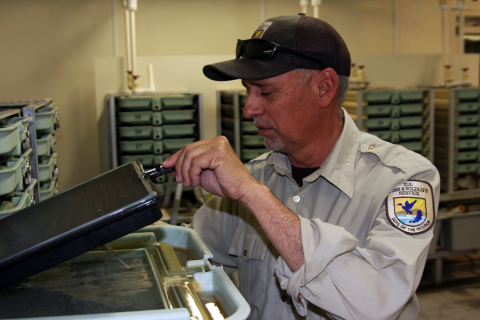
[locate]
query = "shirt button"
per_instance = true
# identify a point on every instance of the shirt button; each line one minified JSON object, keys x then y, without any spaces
{"x":370,"y":146}
{"x":296,"y":199}
{"x":284,"y":299}
{"x":244,"y":252}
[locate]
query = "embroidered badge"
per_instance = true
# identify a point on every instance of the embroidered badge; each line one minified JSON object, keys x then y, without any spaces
{"x":410,"y":207}
{"x":258,"y":34}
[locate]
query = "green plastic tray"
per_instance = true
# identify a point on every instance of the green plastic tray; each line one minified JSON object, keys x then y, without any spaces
{"x":468,"y":107}
{"x":469,"y":156}
{"x":147,"y":160}
{"x":399,"y":135}
{"x":138,"y":103}
{"x":467,"y":95}
{"x":253,"y":141}
{"x":173,"y":145}
{"x":416,"y":146}
{"x":467,"y":144}
{"x":377,"y":97}
{"x":178,"y":116}
{"x":468,"y":120}
{"x":47,"y":168}
{"x":177,"y":101}
{"x":16,"y":176}
{"x":248,"y":127}
{"x":48,"y":189}
{"x":155,"y":102}
{"x":468,"y":132}
{"x":393,"y":123}
{"x":249,"y":154}
{"x":13,"y":136}
{"x":394,"y":97}
{"x":21,"y":200}
{"x":179,"y":130}
{"x":46,"y":145}
{"x":390,"y":110}
{"x":140,"y":133}
{"x":410,"y":96}
{"x":467,"y":168}
{"x":45,"y":119}
{"x":141,"y":147}
{"x":140,"y":118}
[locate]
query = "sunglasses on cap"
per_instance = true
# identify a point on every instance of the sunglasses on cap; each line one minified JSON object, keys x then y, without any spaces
{"x":260,"y":49}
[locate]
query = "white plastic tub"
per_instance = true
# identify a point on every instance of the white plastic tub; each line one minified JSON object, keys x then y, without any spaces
{"x":140,"y":249}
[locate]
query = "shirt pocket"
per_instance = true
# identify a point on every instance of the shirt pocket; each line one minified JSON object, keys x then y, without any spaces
{"x":250,"y":244}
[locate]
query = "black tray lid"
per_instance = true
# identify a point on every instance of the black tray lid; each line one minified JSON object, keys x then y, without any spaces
{"x":75,"y":221}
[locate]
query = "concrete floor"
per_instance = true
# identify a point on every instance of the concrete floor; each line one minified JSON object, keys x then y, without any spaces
{"x":453,"y":303}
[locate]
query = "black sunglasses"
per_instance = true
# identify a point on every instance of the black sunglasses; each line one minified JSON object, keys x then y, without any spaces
{"x":260,"y":49}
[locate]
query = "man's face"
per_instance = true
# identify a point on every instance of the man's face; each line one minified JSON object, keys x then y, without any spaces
{"x":284,"y":110}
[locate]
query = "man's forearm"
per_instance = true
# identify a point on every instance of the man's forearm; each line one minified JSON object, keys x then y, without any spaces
{"x":279,"y":223}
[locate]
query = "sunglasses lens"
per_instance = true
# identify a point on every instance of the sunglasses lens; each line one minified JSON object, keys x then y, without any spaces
{"x":255,"y":49}
{"x":259,"y":49}
{"x":239,"y":50}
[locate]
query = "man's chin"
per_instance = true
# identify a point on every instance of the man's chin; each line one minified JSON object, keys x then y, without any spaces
{"x":273,"y":145}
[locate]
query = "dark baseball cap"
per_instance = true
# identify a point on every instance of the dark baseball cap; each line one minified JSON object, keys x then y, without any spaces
{"x":305,"y":35}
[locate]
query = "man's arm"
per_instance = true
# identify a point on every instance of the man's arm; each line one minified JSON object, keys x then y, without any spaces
{"x":214,"y":165}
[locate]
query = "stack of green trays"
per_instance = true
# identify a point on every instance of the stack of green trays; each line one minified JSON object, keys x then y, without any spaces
{"x":46,"y":122}
{"x":45,"y":119}
{"x":47,"y":168}
{"x":17,"y":200}
{"x":467,"y":143}
{"x":150,"y":127}
{"x":48,"y":189}
{"x":46,"y":144}
{"x":16,"y":182}
{"x":399,"y":117}
{"x":14,"y":134}
{"x":15,"y":173}
{"x":251,"y":144}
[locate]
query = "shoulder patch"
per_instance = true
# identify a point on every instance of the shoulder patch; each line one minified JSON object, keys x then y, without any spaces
{"x":410,"y":207}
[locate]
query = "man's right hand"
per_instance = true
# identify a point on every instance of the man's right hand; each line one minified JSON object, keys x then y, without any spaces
{"x":213,"y":165}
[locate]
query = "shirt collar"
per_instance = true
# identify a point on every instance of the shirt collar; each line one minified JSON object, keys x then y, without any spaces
{"x":338,"y":169}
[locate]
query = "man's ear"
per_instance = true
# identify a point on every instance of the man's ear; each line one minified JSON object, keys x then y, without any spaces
{"x":327,"y":85}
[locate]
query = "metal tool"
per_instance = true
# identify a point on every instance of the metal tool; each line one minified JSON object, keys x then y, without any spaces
{"x":158,"y":171}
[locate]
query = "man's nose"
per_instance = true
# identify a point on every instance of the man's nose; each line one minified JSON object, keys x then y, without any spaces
{"x":252,"y":107}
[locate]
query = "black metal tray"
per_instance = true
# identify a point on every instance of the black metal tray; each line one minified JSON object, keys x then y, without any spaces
{"x":75,"y":221}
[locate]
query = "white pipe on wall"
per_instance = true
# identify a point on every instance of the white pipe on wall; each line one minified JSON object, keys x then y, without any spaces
{"x":461,"y":7}
{"x":127,"y":38}
{"x":395,"y":27}
{"x":316,"y":8}
{"x":443,"y":7}
{"x":114,"y":28}
{"x":134,"y":45}
{"x":304,"y":5}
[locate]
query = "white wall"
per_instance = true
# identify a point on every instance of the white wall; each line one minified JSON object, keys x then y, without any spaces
{"x":49,"y":47}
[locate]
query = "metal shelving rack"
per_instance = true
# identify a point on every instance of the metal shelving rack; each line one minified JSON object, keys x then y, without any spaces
{"x":402,"y":117}
{"x":241,"y":133}
{"x":136,"y":107}
{"x":458,"y":141}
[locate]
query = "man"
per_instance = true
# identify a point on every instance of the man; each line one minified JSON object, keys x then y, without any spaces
{"x":316,"y":227}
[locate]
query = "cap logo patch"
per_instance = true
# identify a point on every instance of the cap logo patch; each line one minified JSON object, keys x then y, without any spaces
{"x":258,"y":34}
{"x":410,"y":207}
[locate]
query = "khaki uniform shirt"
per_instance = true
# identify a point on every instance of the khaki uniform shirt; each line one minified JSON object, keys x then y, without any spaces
{"x":357,"y":264}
